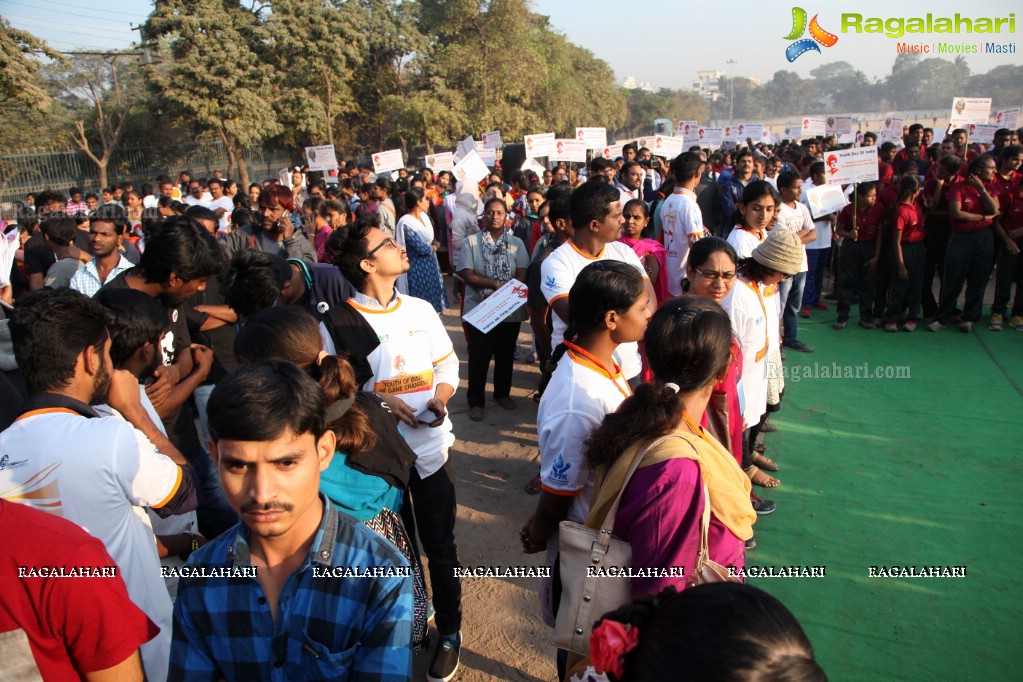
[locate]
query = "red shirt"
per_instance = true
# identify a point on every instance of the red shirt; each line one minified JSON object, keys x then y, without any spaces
{"x":969,"y":200}
{"x":885,"y":173}
{"x":71,"y":625}
{"x":1002,"y":189}
{"x":867,"y":221}
{"x":888,"y":197}
{"x":910,"y":219}
{"x":930,"y":184}
{"x":1012,"y":213}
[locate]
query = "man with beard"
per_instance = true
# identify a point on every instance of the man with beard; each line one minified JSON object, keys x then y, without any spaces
{"x":106,"y":228}
{"x":278,"y":235}
{"x":180,"y":256}
{"x":65,"y":459}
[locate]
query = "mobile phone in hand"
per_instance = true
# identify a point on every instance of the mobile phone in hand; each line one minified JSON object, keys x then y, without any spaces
{"x":431,"y":417}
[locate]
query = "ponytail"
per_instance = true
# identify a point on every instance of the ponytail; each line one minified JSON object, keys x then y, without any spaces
{"x":354,"y":431}
{"x":654,"y":410}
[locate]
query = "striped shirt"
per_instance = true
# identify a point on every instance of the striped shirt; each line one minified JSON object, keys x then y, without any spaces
{"x":326,"y":628}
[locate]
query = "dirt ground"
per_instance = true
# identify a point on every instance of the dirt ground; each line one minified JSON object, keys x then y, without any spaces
{"x":502,"y":633}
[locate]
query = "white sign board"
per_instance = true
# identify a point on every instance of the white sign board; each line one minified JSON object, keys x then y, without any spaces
{"x":569,"y":150}
{"x":387,"y":161}
{"x":497,"y":306}
{"x":595,"y":138}
{"x":534,"y":165}
{"x":667,"y":146}
{"x":439,"y":162}
{"x":464,"y":147}
{"x":492,"y":140}
{"x":891,"y":129}
{"x":612,"y":151}
{"x":845,"y":166}
{"x":813,"y":126}
{"x":752,"y":131}
{"x":541,"y":144}
{"x":1007,"y":118}
{"x":825,"y":199}
{"x":983,"y":132}
{"x":967,"y":110}
{"x":710,"y":137}
{"x":470,"y":169}
{"x":488,"y":156}
{"x":321,"y":158}
{"x":687,"y":129}
{"x":838,"y":125}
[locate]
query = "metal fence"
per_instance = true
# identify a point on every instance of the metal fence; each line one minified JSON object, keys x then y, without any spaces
{"x":60,"y":170}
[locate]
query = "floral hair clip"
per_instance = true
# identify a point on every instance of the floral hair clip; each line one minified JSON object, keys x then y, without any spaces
{"x":610,"y":643}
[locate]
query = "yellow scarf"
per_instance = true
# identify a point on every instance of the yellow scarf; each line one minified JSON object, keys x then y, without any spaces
{"x":728,"y":486}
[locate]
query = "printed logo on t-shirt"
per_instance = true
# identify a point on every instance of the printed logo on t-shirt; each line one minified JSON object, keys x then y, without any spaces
{"x":322,"y":307}
{"x":551,"y":283}
{"x":40,"y":491}
{"x":6,"y":464}
{"x":559,"y":470}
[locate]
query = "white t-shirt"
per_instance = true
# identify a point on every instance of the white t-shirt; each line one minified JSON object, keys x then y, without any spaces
{"x":192,"y":201}
{"x":559,"y":272}
{"x":795,"y":219}
{"x":823,"y":226}
{"x":744,"y":241}
{"x":96,"y":472}
{"x":226,"y":203}
{"x":751,"y":324}
{"x":574,"y":403}
{"x":681,"y":221}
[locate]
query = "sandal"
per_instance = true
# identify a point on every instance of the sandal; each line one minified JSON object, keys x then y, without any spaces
{"x":534,"y":486}
{"x":758,"y":477}
{"x":764,"y":462}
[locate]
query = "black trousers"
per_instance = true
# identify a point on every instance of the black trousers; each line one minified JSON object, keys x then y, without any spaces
{"x":430,"y":510}
{"x":905,"y":293}
{"x":936,"y":241}
{"x":970,"y":261}
{"x":497,"y":344}
{"x":853,"y":276}
{"x":1010,"y":271}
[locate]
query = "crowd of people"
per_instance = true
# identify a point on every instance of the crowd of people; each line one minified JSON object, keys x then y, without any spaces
{"x":238,"y":397}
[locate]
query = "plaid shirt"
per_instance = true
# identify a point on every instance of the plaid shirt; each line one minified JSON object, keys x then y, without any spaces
{"x":87,"y":281}
{"x":327,"y":628}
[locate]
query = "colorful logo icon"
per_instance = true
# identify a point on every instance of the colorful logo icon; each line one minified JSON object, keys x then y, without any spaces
{"x":817,"y":35}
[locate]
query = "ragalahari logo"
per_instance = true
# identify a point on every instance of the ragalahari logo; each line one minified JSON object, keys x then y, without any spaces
{"x":817,"y":35}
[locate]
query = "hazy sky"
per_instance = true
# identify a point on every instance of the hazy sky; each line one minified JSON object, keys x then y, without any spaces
{"x":663,"y":42}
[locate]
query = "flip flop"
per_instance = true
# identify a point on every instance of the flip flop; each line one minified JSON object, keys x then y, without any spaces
{"x":758,"y":477}
{"x":764,"y":462}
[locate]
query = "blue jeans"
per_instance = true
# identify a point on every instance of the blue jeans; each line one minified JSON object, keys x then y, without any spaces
{"x":791,"y":292}
{"x":816,"y":262}
{"x":201,"y":395}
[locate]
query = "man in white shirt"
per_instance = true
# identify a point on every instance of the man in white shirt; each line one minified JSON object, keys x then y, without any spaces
{"x":221,"y":204}
{"x":196,"y":196}
{"x":681,"y":218}
{"x":597,"y":221}
{"x":412,"y":362}
{"x":630,"y":182}
{"x":62,"y":457}
{"x":793,"y":216}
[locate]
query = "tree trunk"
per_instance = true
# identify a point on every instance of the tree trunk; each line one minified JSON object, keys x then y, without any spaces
{"x":330,"y":115}
{"x":101,"y":166}
{"x":243,"y":168}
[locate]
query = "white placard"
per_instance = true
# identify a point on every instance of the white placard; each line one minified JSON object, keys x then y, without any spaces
{"x":464,"y":147}
{"x":812,"y":126}
{"x":470,"y":169}
{"x":847,"y":138}
{"x":752,"y":131}
{"x":838,"y":125}
{"x":966,"y":110}
{"x":710,"y":137}
{"x":612,"y":151}
{"x":891,"y":129}
{"x":730,"y":132}
{"x":768,"y":137}
{"x":439,"y":162}
{"x":825,"y":199}
{"x":983,"y":132}
{"x":387,"y":161}
{"x":687,"y":129}
{"x":1007,"y":118}
{"x":321,"y":158}
{"x":534,"y":165}
{"x":668,"y":146}
{"x":497,"y":306}
{"x":541,"y":144}
{"x":844,"y":166}
{"x":492,"y":140}
{"x":488,"y":156}
{"x":569,"y":150}
{"x":595,"y":138}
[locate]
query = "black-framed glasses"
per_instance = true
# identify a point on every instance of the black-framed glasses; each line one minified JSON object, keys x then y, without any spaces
{"x":387,"y":242}
{"x":715,"y":276}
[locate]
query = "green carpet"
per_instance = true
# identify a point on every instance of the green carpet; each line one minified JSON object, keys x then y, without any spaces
{"x":917,"y":471}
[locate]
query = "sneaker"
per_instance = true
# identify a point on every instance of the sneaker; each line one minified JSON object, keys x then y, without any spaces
{"x":751,"y":543}
{"x":1016,"y":322}
{"x":796,"y":344}
{"x":762,"y":507}
{"x":820,"y":305}
{"x":515,"y":353}
{"x":530,"y":358}
{"x":804,"y":311}
{"x":841,"y":324}
{"x":867,"y":324}
{"x":996,"y":323}
{"x":936,"y":326}
{"x":910,"y":326}
{"x":891,"y":327}
{"x":966,"y":327}
{"x":445,"y":659}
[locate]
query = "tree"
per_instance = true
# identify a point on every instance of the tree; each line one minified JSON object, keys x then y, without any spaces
{"x":219,"y":72}
{"x":1001,"y":84}
{"x":20,"y":82}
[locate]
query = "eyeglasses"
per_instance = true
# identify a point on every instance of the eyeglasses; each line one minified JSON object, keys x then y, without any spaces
{"x":715,"y":276}
{"x":389,"y":243}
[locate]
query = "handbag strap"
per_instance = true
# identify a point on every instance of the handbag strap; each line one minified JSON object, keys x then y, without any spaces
{"x":704,"y":529}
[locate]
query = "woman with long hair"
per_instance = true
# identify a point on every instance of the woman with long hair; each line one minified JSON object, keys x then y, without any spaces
{"x":414,"y":233}
{"x":650,"y":251}
{"x":487,"y":261}
{"x":607,"y":307}
{"x":684,"y":468}
{"x":370,"y":471}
